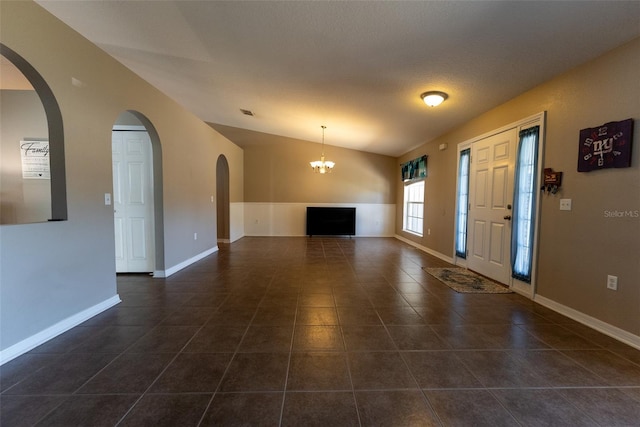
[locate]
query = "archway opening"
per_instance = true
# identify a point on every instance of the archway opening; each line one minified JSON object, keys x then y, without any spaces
{"x":32,"y":165}
{"x":222,"y":200}
{"x":137,"y":195}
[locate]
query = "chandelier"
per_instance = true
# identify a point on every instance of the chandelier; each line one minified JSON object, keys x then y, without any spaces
{"x":322,"y":165}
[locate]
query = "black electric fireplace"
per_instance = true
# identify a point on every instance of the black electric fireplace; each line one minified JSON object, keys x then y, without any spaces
{"x":330,"y":221}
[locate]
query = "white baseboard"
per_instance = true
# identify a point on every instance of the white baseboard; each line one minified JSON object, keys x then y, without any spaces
{"x":592,"y":322}
{"x":33,"y":341}
{"x":172,"y":270}
{"x":425,"y":249}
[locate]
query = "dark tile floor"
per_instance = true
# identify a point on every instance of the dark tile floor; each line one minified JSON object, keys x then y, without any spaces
{"x":331,"y":332}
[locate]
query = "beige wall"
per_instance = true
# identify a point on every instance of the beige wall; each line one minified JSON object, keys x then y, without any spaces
{"x":277,"y":170}
{"x":577,"y":249}
{"x":440,"y":188}
{"x":54,"y":272}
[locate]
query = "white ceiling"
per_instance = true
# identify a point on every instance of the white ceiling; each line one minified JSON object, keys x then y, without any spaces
{"x":357,"y":67}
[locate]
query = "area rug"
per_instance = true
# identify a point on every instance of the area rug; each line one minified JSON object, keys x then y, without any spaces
{"x":465,"y":281}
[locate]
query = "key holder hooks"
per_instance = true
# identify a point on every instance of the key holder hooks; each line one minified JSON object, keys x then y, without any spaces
{"x":552,"y":181}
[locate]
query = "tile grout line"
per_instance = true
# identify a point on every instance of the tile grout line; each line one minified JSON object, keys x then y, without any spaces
{"x":237,"y":350}
{"x":406,"y":365}
{"x":346,"y":355}
{"x":119,"y":355}
{"x":173,"y":359}
{"x":286,"y":375}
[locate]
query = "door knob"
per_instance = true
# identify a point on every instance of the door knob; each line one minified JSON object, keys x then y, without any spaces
{"x":507,"y":217}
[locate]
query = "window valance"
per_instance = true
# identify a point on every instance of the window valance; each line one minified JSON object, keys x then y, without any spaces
{"x":414,"y":169}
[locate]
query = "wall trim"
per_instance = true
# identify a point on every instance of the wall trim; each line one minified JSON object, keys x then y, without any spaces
{"x":53,"y":331}
{"x":425,"y":249}
{"x":236,"y":221}
{"x":600,"y":326}
{"x":184,"y":264}
{"x":289,"y":218}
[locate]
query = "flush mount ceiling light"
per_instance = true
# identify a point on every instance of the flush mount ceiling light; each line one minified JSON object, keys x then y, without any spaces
{"x":434,"y":98}
{"x":322,"y":166}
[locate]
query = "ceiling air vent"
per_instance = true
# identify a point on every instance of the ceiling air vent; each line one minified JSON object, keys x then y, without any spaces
{"x":246,"y":112}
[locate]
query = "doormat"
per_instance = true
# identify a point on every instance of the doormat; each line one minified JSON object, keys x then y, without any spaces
{"x":465,"y":281}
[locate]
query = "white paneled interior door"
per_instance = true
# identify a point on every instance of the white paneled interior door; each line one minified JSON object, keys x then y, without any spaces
{"x":490,"y":200}
{"x":133,"y":201}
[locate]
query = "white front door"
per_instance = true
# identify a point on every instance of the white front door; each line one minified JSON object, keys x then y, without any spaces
{"x":490,"y":199}
{"x":133,"y":201}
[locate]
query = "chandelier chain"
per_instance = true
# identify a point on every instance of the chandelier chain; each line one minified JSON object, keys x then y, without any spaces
{"x":322,"y":166}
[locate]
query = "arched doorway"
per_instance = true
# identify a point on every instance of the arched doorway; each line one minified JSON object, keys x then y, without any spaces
{"x":222,"y":199}
{"x":137,"y":195}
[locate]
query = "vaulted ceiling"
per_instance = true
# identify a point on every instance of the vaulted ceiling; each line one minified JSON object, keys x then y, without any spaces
{"x":357,"y":67}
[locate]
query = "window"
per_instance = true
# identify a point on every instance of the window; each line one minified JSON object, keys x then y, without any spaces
{"x":524,"y":204}
{"x":414,"y":207}
{"x":463,"y":203}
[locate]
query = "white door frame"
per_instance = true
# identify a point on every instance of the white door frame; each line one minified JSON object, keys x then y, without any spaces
{"x":539,"y":119}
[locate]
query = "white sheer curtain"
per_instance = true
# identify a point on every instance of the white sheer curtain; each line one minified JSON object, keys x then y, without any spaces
{"x":463,"y":204}
{"x":524,"y":204}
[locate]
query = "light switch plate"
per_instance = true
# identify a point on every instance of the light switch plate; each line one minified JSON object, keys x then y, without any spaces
{"x":107,"y":199}
{"x":565,"y":204}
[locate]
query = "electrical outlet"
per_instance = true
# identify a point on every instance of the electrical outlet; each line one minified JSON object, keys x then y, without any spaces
{"x":195,"y":236}
{"x":612,"y":282}
{"x":565,"y":204}
{"x":428,"y":232}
